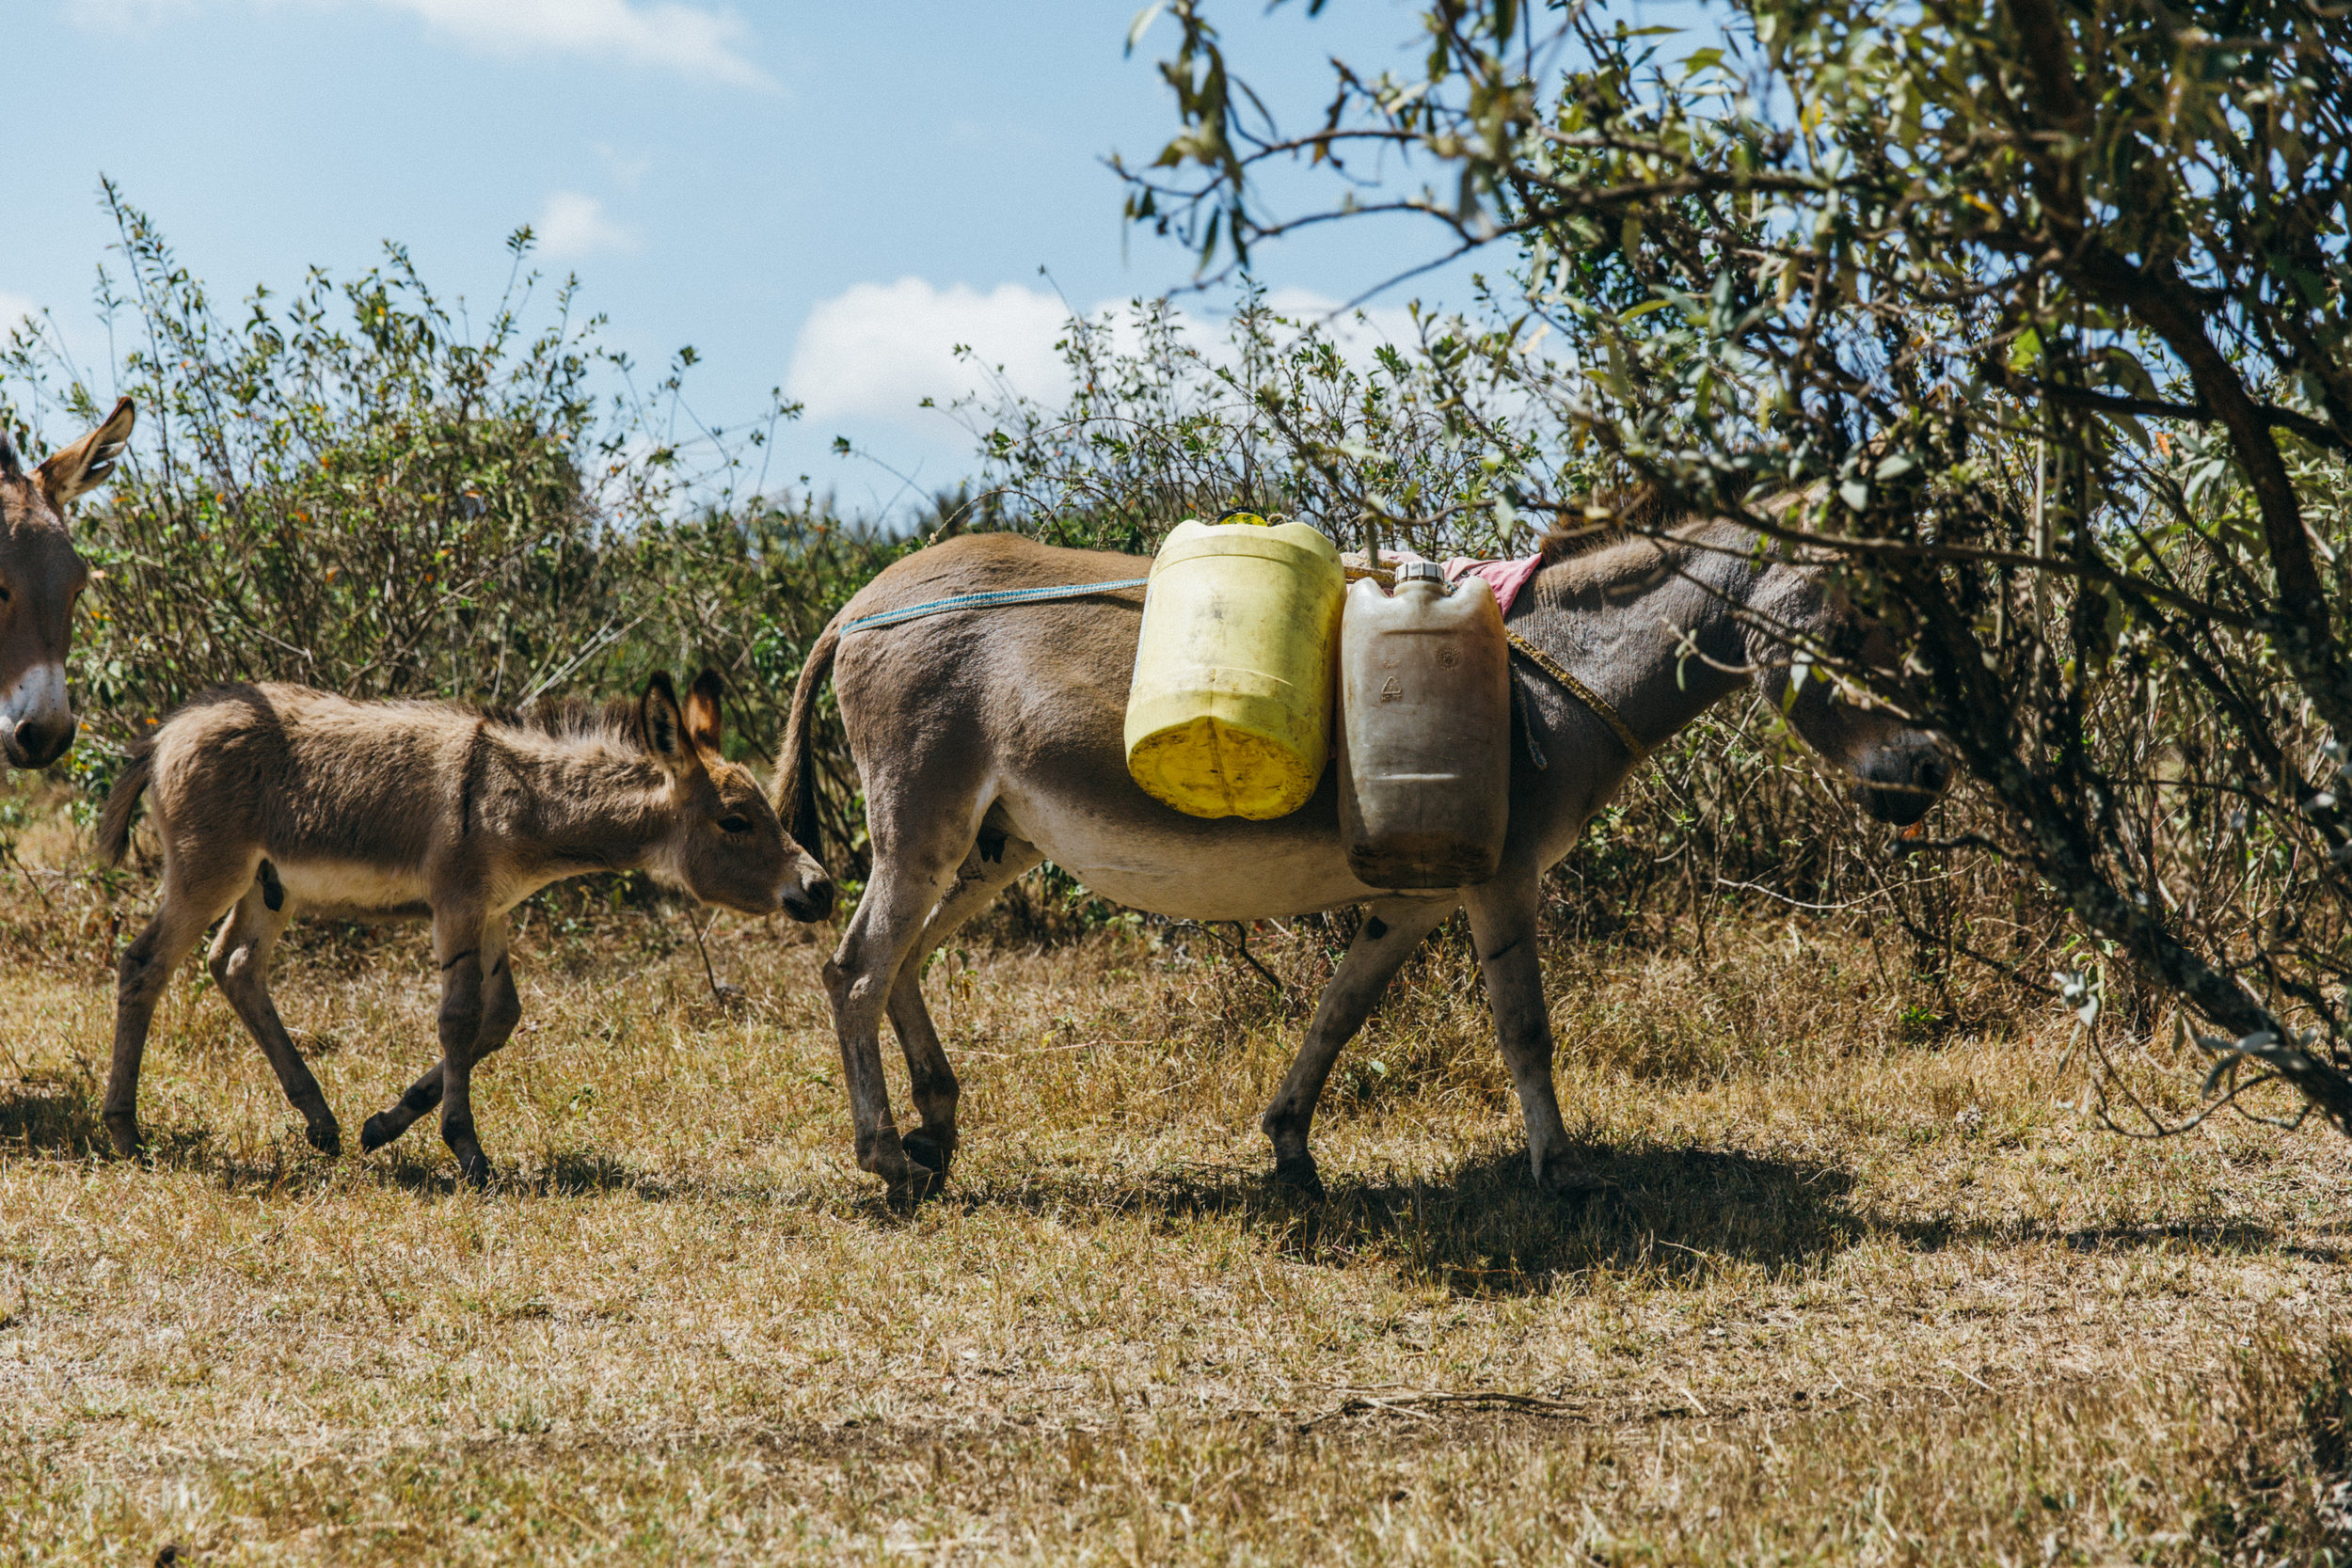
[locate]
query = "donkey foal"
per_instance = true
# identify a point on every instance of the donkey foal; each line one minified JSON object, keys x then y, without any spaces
{"x":278,"y":801}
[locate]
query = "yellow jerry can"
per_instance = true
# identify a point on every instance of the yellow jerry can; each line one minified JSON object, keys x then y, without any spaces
{"x":1230,"y":714}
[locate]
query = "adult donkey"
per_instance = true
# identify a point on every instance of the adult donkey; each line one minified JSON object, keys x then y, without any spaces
{"x":989,"y":739}
{"x":41,"y":577}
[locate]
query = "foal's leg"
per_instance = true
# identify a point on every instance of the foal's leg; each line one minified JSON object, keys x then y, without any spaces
{"x":1392,"y":928}
{"x":466,"y":945}
{"x":931,"y":1079}
{"x":501,"y":1010}
{"x":194,"y":898}
{"x":240,"y":960}
{"x":1502,"y":922}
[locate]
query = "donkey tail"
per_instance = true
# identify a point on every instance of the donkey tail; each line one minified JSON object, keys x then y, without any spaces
{"x":122,"y":802}
{"x":795,"y":779}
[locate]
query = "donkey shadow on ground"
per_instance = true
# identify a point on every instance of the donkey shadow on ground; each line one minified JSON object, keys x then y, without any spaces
{"x":1485,"y":1228}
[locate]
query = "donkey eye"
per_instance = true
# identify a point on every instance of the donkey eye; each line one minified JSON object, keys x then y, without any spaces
{"x":734,"y":824}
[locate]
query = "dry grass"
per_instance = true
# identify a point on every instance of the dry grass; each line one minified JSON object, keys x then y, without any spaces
{"x":1866,"y":1292}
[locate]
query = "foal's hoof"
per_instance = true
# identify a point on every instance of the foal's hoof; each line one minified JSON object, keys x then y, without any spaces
{"x":326,"y":1137}
{"x":1297,"y":1172}
{"x":123,"y":1131}
{"x":475,"y":1168}
{"x":380,"y":1129}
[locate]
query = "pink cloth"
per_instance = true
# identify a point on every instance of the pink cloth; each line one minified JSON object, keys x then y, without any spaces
{"x":1506,"y":577}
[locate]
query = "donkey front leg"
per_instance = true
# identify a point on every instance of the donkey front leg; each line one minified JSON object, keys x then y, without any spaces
{"x":1502,"y":923}
{"x":501,"y":1010}
{"x":190,"y":903}
{"x":240,"y":963}
{"x":1392,"y":928}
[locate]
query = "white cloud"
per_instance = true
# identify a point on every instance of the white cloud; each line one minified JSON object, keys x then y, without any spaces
{"x":687,"y":38}
{"x":878,"y":350}
{"x":691,"y":39}
{"x":573,"y":224}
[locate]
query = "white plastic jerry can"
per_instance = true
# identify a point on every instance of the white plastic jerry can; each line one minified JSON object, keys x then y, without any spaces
{"x":1424,"y":718}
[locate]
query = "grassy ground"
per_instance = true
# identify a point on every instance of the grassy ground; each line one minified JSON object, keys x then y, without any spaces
{"x":1870,"y":1288}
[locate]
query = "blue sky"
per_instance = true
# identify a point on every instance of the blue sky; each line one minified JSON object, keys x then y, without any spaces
{"x":821,"y":197}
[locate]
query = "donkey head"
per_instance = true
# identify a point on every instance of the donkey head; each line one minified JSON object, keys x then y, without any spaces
{"x":1898,"y":769}
{"x":724,"y":844}
{"x":40,"y":576}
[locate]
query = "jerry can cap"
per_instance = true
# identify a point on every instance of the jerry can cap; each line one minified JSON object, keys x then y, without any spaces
{"x":1243,"y":515}
{"x":1419,"y":571}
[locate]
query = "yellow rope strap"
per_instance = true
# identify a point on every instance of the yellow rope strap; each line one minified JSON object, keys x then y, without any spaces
{"x":1582,"y":694}
{"x":1550,"y":666}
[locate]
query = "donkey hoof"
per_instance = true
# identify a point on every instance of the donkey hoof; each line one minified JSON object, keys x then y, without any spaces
{"x":123,"y":1131}
{"x":380,"y":1129}
{"x":475,"y":1168}
{"x":1297,"y":1172}
{"x":1576,"y":1186}
{"x":326,"y":1137}
{"x":927,"y":1150}
{"x":912,"y":1185}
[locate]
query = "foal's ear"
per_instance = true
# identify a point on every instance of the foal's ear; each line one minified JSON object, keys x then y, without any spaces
{"x":86,"y":463}
{"x":663,"y":724}
{"x":702,"y":711}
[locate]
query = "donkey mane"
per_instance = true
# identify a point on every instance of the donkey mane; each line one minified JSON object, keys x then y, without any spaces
{"x":1628,"y":510}
{"x":570,"y":719}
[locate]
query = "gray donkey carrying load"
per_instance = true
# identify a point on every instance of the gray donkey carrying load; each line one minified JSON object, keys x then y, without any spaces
{"x":989,"y":738}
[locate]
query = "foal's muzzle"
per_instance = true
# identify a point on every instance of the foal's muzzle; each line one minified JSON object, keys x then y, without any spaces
{"x":813,"y":901}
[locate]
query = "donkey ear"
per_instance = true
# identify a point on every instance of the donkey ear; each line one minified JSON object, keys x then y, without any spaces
{"x":702,"y":711}
{"x":663,"y":724}
{"x":87,"y":462}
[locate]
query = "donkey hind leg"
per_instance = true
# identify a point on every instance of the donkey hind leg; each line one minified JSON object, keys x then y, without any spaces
{"x":194,"y":898}
{"x":469,"y":949}
{"x":501,"y":1010}
{"x":931,"y":1079}
{"x":240,"y":962}
{"x":908,"y":881}
{"x":1392,"y":928}
{"x":1502,"y":923}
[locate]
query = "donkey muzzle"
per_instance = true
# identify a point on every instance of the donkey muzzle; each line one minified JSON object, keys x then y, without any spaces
{"x":39,"y":741}
{"x":1900,"y":783}
{"x":812,"y":901}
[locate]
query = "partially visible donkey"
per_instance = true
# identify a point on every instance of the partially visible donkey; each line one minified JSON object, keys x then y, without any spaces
{"x":40,"y":576}
{"x":278,"y":801}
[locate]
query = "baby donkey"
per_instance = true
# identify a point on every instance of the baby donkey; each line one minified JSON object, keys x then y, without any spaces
{"x":278,"y":801}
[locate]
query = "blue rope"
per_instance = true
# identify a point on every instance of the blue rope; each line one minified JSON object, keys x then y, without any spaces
{"x":988,"y":601}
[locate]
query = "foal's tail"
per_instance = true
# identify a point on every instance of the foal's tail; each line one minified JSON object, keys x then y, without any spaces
{"x":796,"y":775}
{"x":122,"y":802}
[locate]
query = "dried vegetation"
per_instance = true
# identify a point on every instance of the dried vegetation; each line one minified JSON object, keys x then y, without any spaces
{"x":1869,"y":1286}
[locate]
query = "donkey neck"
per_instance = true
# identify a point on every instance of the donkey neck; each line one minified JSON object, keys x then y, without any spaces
{"x":1651,"y":626}
{"x":586,"y":799}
